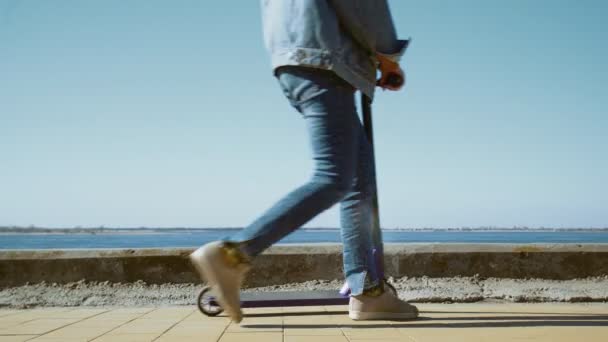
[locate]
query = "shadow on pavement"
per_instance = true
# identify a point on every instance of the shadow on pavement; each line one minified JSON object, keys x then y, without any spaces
{"x":498,"y":321}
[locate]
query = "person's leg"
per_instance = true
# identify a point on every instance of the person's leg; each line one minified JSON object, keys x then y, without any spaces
{"x":327,"y":105}
{"x":370,"y":299}
{"x":359,"y":236}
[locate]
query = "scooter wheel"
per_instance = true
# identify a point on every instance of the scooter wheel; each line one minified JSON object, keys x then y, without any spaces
{"x":204,"y":303}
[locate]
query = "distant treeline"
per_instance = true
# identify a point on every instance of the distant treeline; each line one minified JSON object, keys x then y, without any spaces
{"x":95,"y":230}
{"x":76,"y":230}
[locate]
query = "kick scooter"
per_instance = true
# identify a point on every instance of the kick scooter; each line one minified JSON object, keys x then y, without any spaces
{"x":208,"y":305}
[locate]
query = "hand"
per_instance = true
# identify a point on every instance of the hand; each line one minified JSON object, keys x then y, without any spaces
{"x":388,"y":67}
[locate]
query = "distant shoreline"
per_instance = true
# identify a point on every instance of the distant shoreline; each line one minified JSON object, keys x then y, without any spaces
{"x":158,"y":231}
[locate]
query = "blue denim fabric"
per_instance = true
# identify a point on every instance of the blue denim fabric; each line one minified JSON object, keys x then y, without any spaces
{"x":339,"y":35}
{"x":343,"y":173}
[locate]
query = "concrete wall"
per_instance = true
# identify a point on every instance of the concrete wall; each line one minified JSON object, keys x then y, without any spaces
{"x":290,"y":263}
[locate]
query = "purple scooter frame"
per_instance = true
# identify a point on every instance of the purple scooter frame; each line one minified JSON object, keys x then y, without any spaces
{"x":209,"y":306}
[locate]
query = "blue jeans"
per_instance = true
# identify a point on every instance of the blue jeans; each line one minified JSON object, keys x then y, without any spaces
{"x":343,"y":173}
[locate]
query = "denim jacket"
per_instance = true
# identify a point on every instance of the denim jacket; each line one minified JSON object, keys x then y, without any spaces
{"x":339,"y":35}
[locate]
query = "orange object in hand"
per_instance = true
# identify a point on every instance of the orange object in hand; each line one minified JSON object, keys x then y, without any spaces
{"x":392,"y":76}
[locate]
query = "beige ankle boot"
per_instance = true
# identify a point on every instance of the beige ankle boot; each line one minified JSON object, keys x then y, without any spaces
{"x":223,"y":267}
{"x":384,"y":306}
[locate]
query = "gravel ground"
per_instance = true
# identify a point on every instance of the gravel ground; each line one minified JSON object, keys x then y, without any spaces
{"x":443,"y":290}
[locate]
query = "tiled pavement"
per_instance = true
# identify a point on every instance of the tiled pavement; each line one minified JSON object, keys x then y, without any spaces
{"x":438,"y":322}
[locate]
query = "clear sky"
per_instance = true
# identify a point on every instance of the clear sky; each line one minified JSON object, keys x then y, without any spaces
{"x":165,"y":113}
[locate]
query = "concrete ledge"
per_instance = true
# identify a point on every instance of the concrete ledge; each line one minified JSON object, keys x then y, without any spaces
{"x":297,"y":263}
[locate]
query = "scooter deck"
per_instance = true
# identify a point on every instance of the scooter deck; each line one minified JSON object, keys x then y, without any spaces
{"x":291,"y":298}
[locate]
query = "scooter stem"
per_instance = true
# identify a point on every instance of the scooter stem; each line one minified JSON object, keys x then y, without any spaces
{"x":366,"y":109}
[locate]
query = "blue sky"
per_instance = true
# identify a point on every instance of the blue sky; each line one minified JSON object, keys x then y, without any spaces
{"x":165,"y":113}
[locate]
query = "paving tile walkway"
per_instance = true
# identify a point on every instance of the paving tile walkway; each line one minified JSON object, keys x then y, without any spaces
{"x":438,"y":322}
